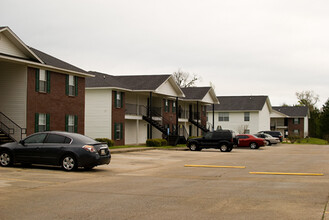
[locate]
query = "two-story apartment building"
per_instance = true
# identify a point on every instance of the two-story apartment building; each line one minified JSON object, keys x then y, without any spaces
{"x":131,"y":109}
{"x":37,"y":91}
{"x":290,"y":120}
{"x":242,"y":114}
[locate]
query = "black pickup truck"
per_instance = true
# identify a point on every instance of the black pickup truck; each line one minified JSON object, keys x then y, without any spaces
{"x":219,"y":139}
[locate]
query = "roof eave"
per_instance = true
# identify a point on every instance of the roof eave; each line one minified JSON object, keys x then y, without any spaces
{"x":41,"y":65}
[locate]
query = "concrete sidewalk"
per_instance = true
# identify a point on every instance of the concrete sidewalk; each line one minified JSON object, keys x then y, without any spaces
{"x":136,"y":149}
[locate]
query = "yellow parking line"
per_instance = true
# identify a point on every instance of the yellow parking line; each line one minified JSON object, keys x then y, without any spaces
{"x":212,"y":166}
{"x":298,"y":174}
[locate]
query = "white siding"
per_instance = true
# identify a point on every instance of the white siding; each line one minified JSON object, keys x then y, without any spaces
{"x":7,"y":47}
{"x":264,"y":118}
{"x":98,"y":111}
{"x":167,"y":89}
{"x":13,"y":92}
{"x":135,"y":132}
{"x":305,"y":127}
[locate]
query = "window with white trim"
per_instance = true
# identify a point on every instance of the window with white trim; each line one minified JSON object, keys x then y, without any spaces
{"x":224,"y":116}
{"x":42,"y":81}
{"x":247,"y":116}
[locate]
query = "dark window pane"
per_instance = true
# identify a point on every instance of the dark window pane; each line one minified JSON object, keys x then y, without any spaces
{"x":55,"y":138}
{"x":67,"y":140}
{"x":38,"y":138}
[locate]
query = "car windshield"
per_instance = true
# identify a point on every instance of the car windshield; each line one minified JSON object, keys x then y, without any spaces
{"x":208,"y":135}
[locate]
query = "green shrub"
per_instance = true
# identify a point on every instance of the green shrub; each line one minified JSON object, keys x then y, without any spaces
{"x":109,"y":142}
{"x":294,"y":139}
{"x":156,"y":142}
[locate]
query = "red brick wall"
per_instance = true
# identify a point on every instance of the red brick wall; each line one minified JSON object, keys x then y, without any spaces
{"x":56,"y":103}
{"x":292,"y":127}
{"x":169,"y":117}
{"x":118,"y":116}
{"x":203,"y":115}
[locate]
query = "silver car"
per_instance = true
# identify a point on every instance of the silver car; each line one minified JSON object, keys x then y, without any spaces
{"x":268,"y":138}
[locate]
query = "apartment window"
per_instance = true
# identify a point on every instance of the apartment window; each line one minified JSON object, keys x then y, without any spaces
{"x":71,"y":85}
{"x":166,"y":105}
{"x":247,"y":116}
{"x":71,"y":123}
{"x":118,"y":99}
{"x":42,"y":81}
{"x":223,"y":116}
{"x":296,"y":132}
{"x":296,"y":121}
{"x":118,"y":131}
{"x":174,"y":107}
{"x":42,"y":122}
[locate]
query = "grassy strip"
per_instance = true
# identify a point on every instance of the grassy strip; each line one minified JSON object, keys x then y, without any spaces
{"x":315,"y":141}
{"x":137,"y":146}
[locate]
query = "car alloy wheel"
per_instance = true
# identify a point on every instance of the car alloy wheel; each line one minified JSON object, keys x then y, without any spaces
{"x":193,"y":147}
{"x":5,"y":159}
{"x":69,"y":163}
{"x":224,"y":148}
{"x":253,"y":145}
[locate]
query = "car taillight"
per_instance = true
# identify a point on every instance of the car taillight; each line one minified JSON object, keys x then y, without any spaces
{"x":89,"y":148}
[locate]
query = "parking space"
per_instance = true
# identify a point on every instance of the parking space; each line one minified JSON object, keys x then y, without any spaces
{"x":157,"y":184}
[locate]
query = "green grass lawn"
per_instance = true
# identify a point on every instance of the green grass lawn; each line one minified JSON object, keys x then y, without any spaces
{"x":312,"y":141}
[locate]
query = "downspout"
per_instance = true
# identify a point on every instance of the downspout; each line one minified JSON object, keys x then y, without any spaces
{"x":176,"y":132}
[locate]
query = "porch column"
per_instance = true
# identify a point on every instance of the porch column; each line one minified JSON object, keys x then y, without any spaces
{"x":197,"y":117}
{"x":213,"y":117}
{"x":150,"y":114}
{"x":176,"y":132}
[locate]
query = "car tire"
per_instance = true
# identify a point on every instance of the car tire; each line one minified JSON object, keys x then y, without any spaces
{"x":194,"y":147}
{"x":229,"y":149}
{"x":69,"y":163}
{"x":224,"y":148}
{"x":6,"y":159}
{"x":268,"y":143}
{"x":253,"y":145}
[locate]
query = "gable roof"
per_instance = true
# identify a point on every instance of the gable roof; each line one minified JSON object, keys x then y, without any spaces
{"x":36,"y":58}
{"x":53,"y":61}
{"x":198,"y":93}
{"x":292,"y":111}
{"x":241,"y":103}
{"x":131,"y":82}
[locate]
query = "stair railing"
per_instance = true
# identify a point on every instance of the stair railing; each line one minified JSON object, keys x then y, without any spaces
{"x":10,"y":128}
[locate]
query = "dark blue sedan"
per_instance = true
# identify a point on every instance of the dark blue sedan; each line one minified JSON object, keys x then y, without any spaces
{"x":68,"y":150}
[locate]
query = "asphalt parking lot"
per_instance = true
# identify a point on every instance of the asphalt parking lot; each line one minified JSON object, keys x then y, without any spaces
{"x":156,"y":184}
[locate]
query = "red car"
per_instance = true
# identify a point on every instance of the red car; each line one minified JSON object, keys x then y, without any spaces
{"x":248,"y":140}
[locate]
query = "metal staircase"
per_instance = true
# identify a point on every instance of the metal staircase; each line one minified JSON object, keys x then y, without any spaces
{"x":171,"y":137}
{"x":9,"y":130}
{"x":203,"y":128}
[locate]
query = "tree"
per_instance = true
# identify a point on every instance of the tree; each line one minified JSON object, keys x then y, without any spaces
{"x":307,"y":98}
{"x":324,"y":121}
{"x":185,"y":79}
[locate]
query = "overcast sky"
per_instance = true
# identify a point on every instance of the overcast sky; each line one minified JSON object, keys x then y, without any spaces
{"x":254,"y":47}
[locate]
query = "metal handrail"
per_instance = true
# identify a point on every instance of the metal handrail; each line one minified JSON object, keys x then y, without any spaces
{"x":10,"y":128}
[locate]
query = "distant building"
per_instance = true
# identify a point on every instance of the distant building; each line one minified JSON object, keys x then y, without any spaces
{"x":242,"y":114}
{"x":290,"y":120}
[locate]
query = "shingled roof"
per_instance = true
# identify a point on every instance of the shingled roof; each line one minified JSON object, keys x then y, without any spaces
{"x":240,"y":103}
{"x":292,"y":111}
{"x":37,"y":57}
{"x":195,"y":93}
{"x":134,"y":82}
{"x":53,"y":61}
